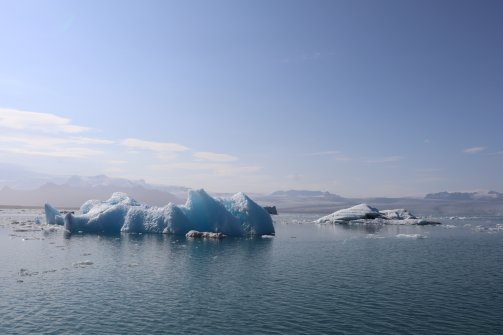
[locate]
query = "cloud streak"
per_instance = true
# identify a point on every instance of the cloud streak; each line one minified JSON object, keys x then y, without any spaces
{"x":338,"y":155}
{"x":214,"y":157}
{"x":43,"y":122}
{"x":73,"y":152}
{"x":474,"y":150}
{"x":38,"y":135}
{"x":45,"y":141}
{"x":160,"y":147}
{"x":52,"y":146}
{"x":388,"y":159}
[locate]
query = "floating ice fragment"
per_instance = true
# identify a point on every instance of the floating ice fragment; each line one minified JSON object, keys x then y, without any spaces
{"x":26,"y":273}
{"x":411,"y":236}
{"x":53,"y":216}
{"x":491,"y":229}
{"x":449,"y":226}
{"x":82,"y":264}
{"x":208,"y":235}
{"x":374,"y":236}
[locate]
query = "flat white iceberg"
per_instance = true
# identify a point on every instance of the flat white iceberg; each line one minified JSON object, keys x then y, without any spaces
{"x":234,"y":216}
{"x":365,"y":214}
{"x":396,"y":214}
{"x":358,"y":212}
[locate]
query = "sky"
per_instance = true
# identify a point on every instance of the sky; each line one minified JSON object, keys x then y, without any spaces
{"x":359,"y":98}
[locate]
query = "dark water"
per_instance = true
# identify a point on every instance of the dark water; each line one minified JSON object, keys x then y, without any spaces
{"x":309,"y":279}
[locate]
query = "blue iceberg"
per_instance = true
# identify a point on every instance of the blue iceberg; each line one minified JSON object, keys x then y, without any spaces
{"x":234,"y":216}
{"x":53,"y":216}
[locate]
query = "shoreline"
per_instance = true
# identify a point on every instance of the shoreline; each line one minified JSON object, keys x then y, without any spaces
{"x":34,"y":207}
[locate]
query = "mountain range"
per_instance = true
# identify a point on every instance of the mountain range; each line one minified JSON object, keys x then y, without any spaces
{"x":455,"y":196}
{"x":71,"y":192}
{"x":77,"y":189}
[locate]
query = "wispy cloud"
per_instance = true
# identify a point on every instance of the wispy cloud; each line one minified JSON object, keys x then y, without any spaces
{"x":43,"y":122}
{"x":117,"y":162}
{"x":37,"y":135}
{"x":73,"y":152}
{"x":211,"y":168}
{"x":387,"y":159}
{"x":214,"y":157}
{"x":52,"y":146}
{"x":168,"y":147}
{"x":474,"y":150}
{"x":45,"y":141}
{"x":229,"y":170}
{"x":338,"y":155}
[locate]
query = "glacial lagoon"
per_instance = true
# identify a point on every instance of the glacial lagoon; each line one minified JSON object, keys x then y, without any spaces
{"x":308,"y":279}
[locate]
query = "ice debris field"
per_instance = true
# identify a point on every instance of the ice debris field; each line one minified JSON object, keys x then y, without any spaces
{"x":216,"y":217}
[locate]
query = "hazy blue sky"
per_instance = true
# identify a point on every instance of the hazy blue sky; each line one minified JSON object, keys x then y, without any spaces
{"x":354,"y":97}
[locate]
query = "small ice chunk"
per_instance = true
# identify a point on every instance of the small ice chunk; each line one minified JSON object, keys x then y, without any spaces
{"x":374,"y":236}
{"x":26,"y":273}
{"x":53,"y":216}
{"x":411,"y":236}
{"x":204,"y":234}
{"x":83,"y":264}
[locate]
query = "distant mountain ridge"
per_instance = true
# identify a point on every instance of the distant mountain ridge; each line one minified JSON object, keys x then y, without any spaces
{"x":20,"y":187}
{"x":436,"y":204}
{"x":459,"y":196}
{"x":306,"y":194}
{"x":102,"y":180}
{"x":78,"y":189}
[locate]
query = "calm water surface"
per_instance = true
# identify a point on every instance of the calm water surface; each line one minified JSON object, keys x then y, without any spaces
{"x":309,"y":279}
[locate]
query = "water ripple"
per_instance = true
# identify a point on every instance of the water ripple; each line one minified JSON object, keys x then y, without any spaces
{"x":327,"y":280}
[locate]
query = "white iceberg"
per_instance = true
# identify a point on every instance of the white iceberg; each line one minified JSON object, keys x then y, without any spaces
{"x":235,"y":216}
{"x":365,"y":214}
{"x":358,"y":212}
{"x":396,"y":214}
